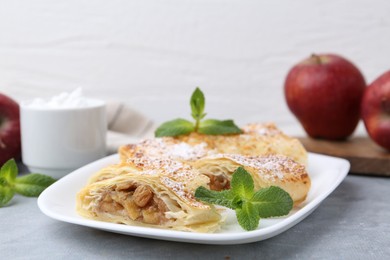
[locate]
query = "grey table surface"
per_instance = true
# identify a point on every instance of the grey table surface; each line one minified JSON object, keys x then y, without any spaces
{"x":352,"y":223}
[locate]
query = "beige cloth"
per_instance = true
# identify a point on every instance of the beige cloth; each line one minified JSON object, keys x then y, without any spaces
{"x":126,"y":125}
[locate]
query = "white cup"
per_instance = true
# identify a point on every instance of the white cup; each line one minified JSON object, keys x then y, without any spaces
{"x":58,"y":141}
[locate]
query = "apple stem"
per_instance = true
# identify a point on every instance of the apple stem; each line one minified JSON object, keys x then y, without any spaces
{"x":316,"y":58}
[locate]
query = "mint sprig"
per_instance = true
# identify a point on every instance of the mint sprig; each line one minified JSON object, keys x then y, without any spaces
{"x":30,"y":185}
{"x":210,"y":126}
{"x":249,"y":205}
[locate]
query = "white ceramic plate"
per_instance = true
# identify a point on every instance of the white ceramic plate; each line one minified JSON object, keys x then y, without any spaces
{"x":326,"y":173}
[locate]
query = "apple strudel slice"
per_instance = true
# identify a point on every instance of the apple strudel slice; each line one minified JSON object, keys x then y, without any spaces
{"x":159,"y":197}
{"x":269,"y":170}
{"x":257,"y":139}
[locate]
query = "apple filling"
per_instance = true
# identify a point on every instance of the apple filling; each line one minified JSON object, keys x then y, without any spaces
{"x":218,"y":182}
{"x":138,"y":202}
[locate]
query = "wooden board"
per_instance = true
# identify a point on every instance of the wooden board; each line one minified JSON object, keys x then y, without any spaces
{"x":364,"y":155}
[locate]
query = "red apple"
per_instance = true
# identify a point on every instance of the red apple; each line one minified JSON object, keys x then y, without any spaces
{"x":376,"y":110}
{"x":9,"y":129}
{"x":324,"y":92}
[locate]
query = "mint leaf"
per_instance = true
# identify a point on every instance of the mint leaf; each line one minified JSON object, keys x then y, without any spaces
{"x":32,"y":185}
{"x":218,"y":127}
{"x":8,"y":172}
{"x":174,"y":128}
{"x":224,"y":198}
{"x":197,"y":103}
{"x":6,"y":194}
{"x":242,"y":183}
{"x":247,"y":216}
{"x":272,"y":202}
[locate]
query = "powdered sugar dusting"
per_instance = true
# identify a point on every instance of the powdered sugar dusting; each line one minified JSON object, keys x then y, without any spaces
{"x":169,"y":148}
{"x":181,"y":191}
{"x":176,"y":187}
{"x":187,"y":152}
{"x":172,"y":168}
{"x":173,"y":174}
{"x":267,"y":129}
{"x":270,"y":167}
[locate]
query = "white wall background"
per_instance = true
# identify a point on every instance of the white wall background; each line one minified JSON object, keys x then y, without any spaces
{"x":153,"y":53}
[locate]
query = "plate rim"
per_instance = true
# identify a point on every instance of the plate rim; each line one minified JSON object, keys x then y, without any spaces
{"x":193,"y":237}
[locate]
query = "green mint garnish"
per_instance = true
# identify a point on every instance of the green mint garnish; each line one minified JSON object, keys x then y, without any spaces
{"x":249,"y":205}
{"x":197,"y":103}
{"x":30,"y":185}
{"x":210,"y":126}
{"x":175,"y":127}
